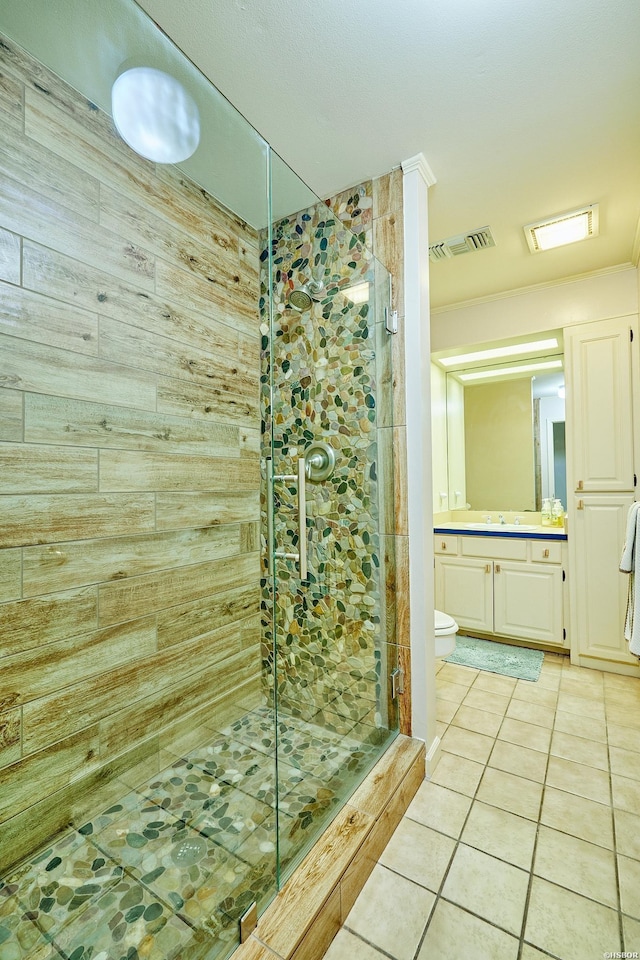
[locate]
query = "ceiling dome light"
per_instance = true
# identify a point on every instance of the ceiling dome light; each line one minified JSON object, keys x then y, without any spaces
{"x":155,"y":115}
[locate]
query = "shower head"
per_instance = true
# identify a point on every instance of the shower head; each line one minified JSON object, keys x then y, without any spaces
{"x":302,"y":297}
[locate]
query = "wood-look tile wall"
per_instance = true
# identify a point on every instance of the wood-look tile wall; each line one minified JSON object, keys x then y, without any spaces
{"x":129,"y":455}
{"x":388,"y":234}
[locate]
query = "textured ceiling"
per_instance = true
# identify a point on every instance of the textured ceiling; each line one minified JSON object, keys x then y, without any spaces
{"x":522,"y":110}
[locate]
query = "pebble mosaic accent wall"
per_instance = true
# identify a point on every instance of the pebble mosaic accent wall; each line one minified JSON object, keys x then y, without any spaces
{"x":331,"y":382}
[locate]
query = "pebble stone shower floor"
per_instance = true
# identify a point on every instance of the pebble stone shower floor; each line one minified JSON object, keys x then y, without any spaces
{"x":168,"y":870}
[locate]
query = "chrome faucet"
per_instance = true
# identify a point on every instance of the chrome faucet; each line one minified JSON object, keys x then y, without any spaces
{"x":517,"y":521}
{"x":501,"y":518}
{"x":489,"y":519}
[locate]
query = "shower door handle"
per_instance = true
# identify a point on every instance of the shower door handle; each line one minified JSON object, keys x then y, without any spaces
{"x":300,"y":478}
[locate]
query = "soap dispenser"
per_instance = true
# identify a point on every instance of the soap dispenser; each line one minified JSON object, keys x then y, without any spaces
{"x":546,"y":518}
{"x":557,"y":514}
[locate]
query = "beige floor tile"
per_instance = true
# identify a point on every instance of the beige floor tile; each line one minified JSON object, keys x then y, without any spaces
{"x":525,"y":734}
{"x":457,"y":773}
{"x":501,"y":834}
{"x":581,"y":726}
{"x":631,"y":930}
{"x":483,"y":700}
{"x":581,"y":678}
{"x":577,"y":688}
{"x":581,"y":706}
{"x":577,"y":865}
{"x":578,"y":816}
{"x":477,"y":720}
{"x":494,"y":890}
{"x":455,"y":673}
{"x":626,"y":793}
{"x":453,"y":934}
{"x":621,"y":714}
{"x":439,"y":666}
{"x":346,"y":946}
{"x":579,"y":779}
{"x":495,"y":683}
{"x":627,"y":833}
{"x":549,"y":678}
{"x":629,"y":872}
{"x":616,"y":684}
{"x":439,"y":808}
{"x":454,"y":692}
{"x":446,"y":710}
{"x":391,"y":913}
{"x":625,"y":763}
{"x":441,"y":728}
{"x":466,"y":743}
{"x":625,"y":737}
{"x":530,"y":953}
{"x":418,"y":853}
{"x":509,"y":792}
{"x":533,"y":693}
{"x":512,"y":758}
{"x":569,"y":926}
{"x":591,"y":752}
{"x":531,"y":713}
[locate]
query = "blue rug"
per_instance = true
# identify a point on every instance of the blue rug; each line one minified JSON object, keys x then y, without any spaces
{"x":510,"y":661}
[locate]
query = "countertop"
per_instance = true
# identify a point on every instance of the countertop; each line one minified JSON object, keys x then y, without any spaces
{"x":498,"y":530}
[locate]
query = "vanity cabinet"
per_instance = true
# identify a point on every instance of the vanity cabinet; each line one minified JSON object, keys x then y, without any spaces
{"x":507,"y":587}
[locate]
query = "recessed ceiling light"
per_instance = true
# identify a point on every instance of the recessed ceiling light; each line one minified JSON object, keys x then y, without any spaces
{"x":513,"y":350}
{"x":564,"y":228}
{"x":504,"y":371}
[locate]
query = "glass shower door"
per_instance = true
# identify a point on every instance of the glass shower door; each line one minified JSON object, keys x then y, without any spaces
{"x":331,"y":643}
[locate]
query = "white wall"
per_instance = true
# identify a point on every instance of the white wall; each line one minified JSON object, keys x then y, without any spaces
{"x":613,"y":293}
{"x":439,"y":438}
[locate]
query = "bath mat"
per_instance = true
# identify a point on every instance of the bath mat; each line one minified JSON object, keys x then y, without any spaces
{"x":495,"y":657}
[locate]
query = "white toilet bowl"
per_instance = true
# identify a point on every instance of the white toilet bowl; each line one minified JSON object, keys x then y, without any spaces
{"x":445,"y":633}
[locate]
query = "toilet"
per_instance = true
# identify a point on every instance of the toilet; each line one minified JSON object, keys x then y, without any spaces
{"x":445,"y":633}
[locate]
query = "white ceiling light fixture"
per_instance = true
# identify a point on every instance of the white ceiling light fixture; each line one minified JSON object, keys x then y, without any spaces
{"x":512,"y":350}
{"x":506,"y":371}
{"x":564,"y":228}
{"x":154,"y":115}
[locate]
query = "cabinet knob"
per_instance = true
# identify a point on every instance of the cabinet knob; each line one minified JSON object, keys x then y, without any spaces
{"x":487,"y":568}
{"x":579,"y":485}
{"x":580,"y":505}
{"x":443,"y":545}
{"x":497,"y":568}
{"x":545,"y":553}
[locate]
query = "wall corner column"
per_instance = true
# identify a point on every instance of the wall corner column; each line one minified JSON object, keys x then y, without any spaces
{"x":417,"y":178}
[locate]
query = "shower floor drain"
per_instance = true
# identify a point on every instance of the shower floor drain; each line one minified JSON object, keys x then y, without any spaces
{"x":188,"y":852}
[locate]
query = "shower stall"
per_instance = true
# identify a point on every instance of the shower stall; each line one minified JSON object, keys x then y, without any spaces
{"x":197,"y":612}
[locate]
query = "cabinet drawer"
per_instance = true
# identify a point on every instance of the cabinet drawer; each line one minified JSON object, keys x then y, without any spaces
{"x":494,"y":548}
{"x":544,"y":551}
{"x":442,"y":543}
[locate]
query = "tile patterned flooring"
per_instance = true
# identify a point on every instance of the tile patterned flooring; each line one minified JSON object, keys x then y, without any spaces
{"x":525,"y":843}
{"x":168,"y":870}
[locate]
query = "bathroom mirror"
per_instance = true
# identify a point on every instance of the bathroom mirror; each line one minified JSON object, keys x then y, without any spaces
{"x":505,"y":440}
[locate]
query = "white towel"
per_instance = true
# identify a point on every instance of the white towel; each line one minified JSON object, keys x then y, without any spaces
{"x":628,"y":563}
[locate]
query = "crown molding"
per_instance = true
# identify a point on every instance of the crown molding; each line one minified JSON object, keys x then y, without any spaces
{"x":520,"y":291}
{"x":420,"y":164}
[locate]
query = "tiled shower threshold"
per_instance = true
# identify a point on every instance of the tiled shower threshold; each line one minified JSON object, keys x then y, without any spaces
{"x":168,"y":870}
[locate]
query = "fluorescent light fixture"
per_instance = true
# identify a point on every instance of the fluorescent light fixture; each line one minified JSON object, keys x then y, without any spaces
{"x":358,"y":293}
{"x":505,"y":371}
{"x":562,"y":229}
{"x":155,"y":115}
{"x":511,"y":351}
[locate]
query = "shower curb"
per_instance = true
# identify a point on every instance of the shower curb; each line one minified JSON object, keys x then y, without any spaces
{"x":314,"y":903}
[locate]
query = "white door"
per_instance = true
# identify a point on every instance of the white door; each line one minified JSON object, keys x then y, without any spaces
{"x":464,"y":590}
{"x":600,"y":405}
{"x":528,"y":601}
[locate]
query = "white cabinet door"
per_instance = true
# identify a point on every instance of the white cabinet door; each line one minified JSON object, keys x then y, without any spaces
{"x":464,"y":590}
{"x":600,"y":405}
{"x":599,"y":590}
{"x":528,"y":601}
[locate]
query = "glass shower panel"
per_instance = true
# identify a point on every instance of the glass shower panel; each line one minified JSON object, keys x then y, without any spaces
{"x":327,"y":380}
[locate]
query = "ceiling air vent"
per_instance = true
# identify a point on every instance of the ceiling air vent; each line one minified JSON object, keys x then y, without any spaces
{"x":463,"y":243}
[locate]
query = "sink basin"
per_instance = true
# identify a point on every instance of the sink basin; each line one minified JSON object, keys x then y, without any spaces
{"x":497,"y":527}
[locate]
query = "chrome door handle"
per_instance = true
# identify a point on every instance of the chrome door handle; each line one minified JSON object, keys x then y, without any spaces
{"x":300,"y":478}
